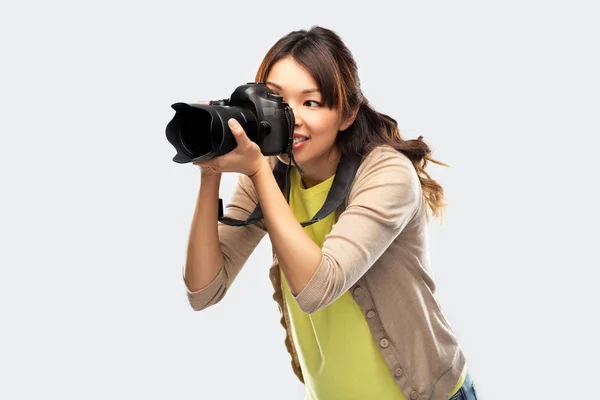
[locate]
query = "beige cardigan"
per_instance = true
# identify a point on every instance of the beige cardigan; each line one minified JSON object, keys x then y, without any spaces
{"x":378,"y":250}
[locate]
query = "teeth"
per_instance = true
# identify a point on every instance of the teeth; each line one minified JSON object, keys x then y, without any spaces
{"x":298,"y":140}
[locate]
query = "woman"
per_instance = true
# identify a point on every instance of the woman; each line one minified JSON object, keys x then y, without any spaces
{"x":355,"y":288}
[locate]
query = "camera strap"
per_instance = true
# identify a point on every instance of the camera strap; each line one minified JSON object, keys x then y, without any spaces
{"x":344,"y":176}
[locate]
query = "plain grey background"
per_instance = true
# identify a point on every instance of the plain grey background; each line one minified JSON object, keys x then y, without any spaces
{"x":95,"y":215}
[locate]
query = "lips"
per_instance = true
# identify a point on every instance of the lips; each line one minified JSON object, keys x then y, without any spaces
{"x":299,"y":141}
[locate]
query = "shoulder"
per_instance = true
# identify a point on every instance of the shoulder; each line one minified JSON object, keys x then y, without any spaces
{"x":386,"y":173}
{"x":384,"y":158}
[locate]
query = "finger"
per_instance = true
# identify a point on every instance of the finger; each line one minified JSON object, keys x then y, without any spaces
{"x":205,"y":164}
{"x":238,"y":132}
{"x":219,"y":163}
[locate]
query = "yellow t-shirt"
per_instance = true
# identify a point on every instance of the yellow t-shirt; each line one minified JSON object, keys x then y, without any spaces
{"x":337,"y":352}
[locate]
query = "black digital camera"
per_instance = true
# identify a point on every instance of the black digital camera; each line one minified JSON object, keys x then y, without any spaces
{"x":200,"y":132}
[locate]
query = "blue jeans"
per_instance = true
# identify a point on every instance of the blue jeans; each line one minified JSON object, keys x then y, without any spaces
{"x":466,"y":391}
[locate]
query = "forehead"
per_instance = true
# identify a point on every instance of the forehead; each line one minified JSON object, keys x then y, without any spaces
{"x":290,"y":76}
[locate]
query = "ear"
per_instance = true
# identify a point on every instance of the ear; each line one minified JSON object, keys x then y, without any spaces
{"x":350,"y":120}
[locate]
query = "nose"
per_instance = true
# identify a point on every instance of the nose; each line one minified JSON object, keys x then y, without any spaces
{"x":297,"y":115}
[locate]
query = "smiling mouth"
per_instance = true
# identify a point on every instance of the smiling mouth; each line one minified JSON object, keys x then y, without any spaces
{"x":299,"y":140}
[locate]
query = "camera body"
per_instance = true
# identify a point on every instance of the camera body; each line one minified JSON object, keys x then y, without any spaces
{"x":200,"y":131}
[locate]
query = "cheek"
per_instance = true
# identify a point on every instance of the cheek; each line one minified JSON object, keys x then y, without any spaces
{"x":323,"y":129}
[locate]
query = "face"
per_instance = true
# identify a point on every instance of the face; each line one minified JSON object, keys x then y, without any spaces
{"x":314,"y":121}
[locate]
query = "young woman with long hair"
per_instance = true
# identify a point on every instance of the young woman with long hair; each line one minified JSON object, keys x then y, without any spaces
{"x":355,"y":288}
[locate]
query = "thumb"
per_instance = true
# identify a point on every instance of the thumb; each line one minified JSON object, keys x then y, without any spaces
{"x":236,"y":128}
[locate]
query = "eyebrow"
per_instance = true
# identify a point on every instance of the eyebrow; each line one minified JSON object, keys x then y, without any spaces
{"x":312,"y":90}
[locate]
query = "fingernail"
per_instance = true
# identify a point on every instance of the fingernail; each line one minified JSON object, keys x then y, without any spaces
{"x":232,"y":123}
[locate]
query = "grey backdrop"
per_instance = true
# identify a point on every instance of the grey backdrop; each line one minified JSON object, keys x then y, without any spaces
{"x":95,"y":215}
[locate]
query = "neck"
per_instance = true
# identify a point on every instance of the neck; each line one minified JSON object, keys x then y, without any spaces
{"x":319,"y":172}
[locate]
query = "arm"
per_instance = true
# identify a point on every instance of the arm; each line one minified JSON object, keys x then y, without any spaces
{"x":217,"y":252}
{"x":299,"y":256}
{"x":204,"y":256}
{"x":382,"y":203}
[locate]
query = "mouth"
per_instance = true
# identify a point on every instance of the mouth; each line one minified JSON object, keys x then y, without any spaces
{"x":299,"y":141}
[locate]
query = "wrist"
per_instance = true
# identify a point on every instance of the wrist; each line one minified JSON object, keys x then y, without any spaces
{"x":210,"y":176}
{"x":264,"y":167}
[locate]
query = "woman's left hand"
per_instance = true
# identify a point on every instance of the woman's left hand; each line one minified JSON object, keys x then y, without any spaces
{"x":246,"y":158}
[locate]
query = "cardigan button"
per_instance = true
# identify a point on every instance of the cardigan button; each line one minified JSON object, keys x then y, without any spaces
{"x":357,"y":291}
{"x":370,"y":314}
{"x":398,"y":371}
{"x":384,"y":343}
{"x":414,"y":395}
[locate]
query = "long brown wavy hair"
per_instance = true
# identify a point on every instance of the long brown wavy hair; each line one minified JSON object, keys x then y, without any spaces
{"x":323,"y":54}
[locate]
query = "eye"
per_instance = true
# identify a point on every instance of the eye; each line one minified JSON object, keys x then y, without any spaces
{"x":317,"y":104}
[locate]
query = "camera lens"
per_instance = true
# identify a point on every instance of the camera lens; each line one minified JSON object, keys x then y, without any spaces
{"x":195,"y":133}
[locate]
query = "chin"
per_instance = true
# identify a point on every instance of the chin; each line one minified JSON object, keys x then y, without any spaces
{"x":285,"y":159}
{"x":300,"y":160}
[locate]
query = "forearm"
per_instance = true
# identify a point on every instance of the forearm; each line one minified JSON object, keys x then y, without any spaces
{"x":204,"y":255}
{"x":299,"y":256}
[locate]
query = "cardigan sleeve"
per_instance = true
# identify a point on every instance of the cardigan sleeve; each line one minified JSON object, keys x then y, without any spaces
{"x":237,"y":244}
{"x":382,"y":202}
